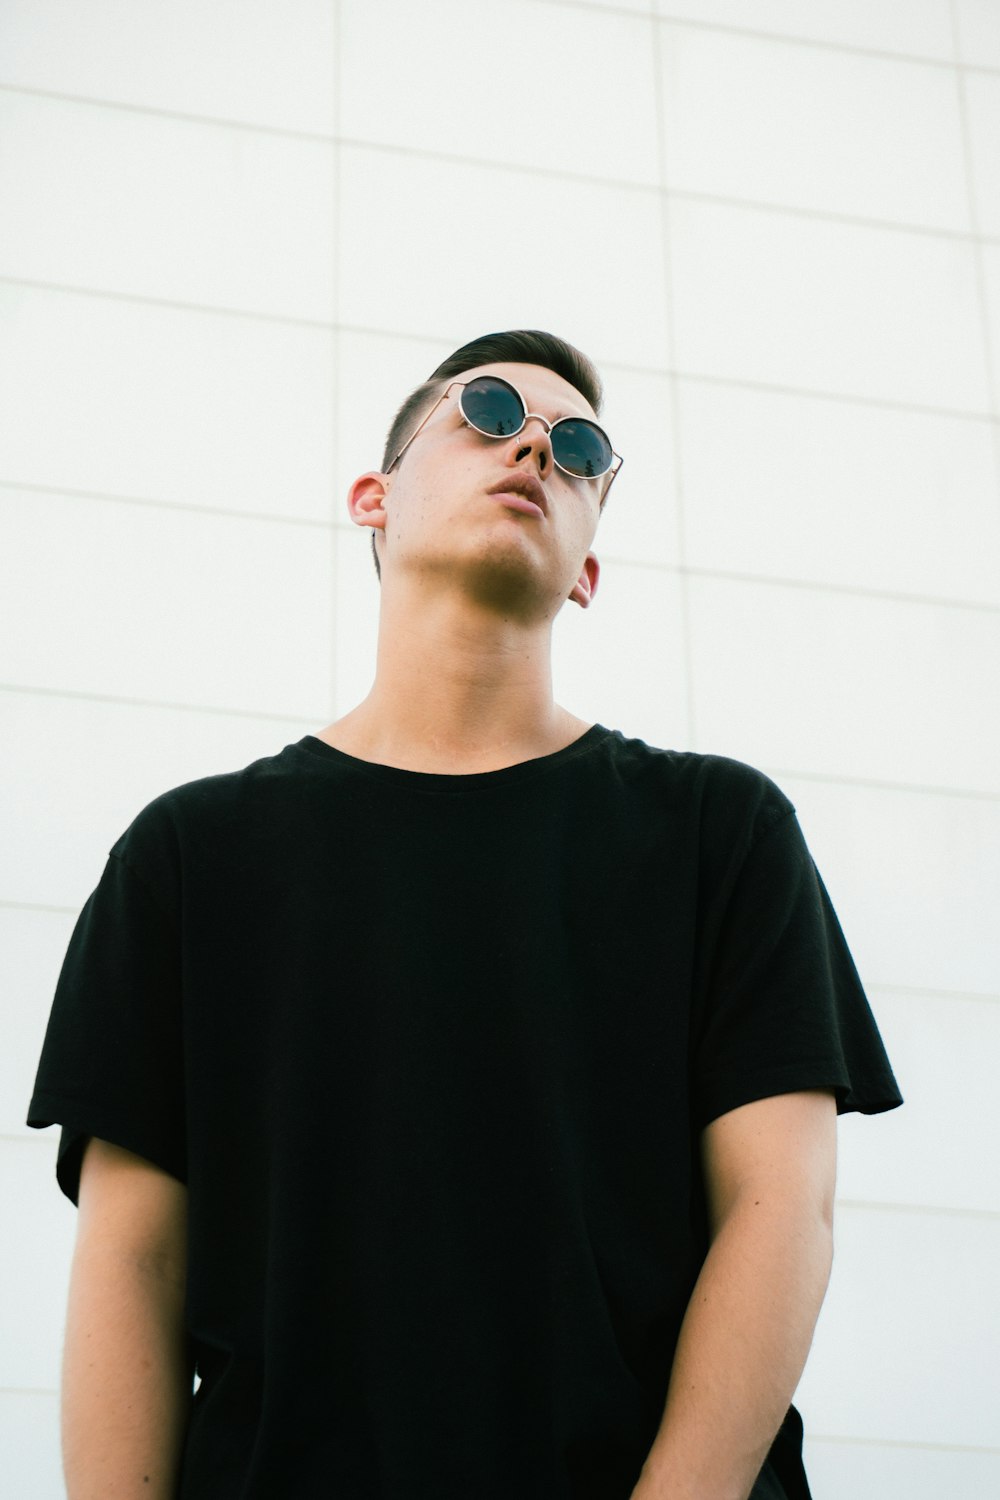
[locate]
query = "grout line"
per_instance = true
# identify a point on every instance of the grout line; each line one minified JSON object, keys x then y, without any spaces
{"x":687,"y":635}
{"x":45,"y":906}
{"x":877,"y":784}
{"x":530,"y":169}
{"x":989,"y":354}
{"x":159,"y":112}
{"x":696,"y":377}
{"x":335,"y":70}
{"x":936,"y":1210}
{"x":893,"y":596}
{"x":186,"y":506}
{"x":660,"y":18}
{"x":143,"y":300}
{"x":533,"y":169}
{"x":167,"y":705}
{"x":879,"y":403}
{"x":923,"y":993}
{"x":29,"y":1136}
{"x":814,"y":43}
{"x":825,"y":216}
{"x":899,"y":1443}
{"x":970,"y":185}
{"x":818,"y":44}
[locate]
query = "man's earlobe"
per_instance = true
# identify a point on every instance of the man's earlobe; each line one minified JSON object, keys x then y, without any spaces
{"x":585,"y":587}
{"x":365,"y":499}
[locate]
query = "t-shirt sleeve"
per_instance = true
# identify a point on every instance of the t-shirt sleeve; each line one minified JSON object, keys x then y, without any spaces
{"x":112,"y":1060}
{"x":784,"y":1008}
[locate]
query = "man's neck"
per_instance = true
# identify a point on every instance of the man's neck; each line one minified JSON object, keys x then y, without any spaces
{"x":457,"y":695}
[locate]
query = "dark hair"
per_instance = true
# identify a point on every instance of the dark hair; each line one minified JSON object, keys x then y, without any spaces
{"x":523,"y":346}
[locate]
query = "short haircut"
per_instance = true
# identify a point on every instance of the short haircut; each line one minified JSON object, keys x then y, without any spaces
{"x":522,"y":346}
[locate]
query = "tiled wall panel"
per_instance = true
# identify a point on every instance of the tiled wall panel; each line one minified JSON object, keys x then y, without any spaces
{"x":921,"y":28}
{"x":991,"y":274}
{"x":32,"y":945}
{"x":882,"y":689}
{"x":913,"y":877}
{"x":532,"y":112}
{"x":164,"y":403}
{"x":902,"y":1351}
{"x":858,"y":496}
{"x":748,"y":118}
{"x":29,"y":1444}
{"x":232,"y":59}
{"x":779,"y":299}
{"x":839,"y":1468}
{"x":982,"y":101}
{"x":166,"y":605}
{"x":945,"y":1048}
{"x":621,"y":662}
{"x":166,"y":208}
{"x":978,"y":27}
{"x":35,"y":1260}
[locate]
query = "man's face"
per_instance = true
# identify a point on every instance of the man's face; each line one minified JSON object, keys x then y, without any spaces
{"x":445,"y":511}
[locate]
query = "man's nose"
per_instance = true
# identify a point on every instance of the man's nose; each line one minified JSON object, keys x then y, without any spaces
{"x":534,"y":438}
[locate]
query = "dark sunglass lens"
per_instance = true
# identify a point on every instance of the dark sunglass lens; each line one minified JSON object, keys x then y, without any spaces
{"x":582,"y":448}
{"x":492,"y":406}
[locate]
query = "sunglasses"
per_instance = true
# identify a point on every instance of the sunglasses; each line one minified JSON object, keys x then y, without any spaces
{"x":496,"y":409}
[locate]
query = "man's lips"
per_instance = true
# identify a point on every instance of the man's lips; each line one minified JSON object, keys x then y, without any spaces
{"x":524,"y":487}
{"x":514,"y":501}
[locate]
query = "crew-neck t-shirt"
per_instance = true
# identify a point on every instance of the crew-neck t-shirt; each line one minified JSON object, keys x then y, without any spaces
{"x":432,"y":1054}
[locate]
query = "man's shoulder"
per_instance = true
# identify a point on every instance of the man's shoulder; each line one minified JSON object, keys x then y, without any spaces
{"x":204,"y":802}
{"x":706,"y":779}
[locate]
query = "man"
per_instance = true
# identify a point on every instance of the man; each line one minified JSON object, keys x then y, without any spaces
{"x":456,"y":1090}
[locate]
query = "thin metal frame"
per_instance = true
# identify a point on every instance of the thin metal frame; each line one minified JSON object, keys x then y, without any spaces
{"x":502,"y":436}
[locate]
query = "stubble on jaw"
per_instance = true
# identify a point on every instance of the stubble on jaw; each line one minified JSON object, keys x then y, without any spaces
{"x":499,"y":577}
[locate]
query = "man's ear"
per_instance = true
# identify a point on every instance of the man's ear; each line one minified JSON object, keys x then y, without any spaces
{"x":585,"y":586}
{"x":365,"y":499}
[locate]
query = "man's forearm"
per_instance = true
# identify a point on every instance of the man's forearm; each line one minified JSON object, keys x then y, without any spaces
{"x":741,"y":1351}
{"x":126,"y":1388}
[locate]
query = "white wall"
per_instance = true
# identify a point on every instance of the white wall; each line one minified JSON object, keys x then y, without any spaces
{"x":233,"y":236}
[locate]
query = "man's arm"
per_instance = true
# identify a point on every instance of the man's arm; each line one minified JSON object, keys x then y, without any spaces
{"x":126,"y":1387}
{"x":770,"y":1173}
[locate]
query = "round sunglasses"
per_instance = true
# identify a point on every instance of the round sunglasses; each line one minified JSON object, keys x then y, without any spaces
{"x":497,"y":409}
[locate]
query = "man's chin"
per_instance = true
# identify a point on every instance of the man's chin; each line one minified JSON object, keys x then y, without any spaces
{"x":505,"y":579}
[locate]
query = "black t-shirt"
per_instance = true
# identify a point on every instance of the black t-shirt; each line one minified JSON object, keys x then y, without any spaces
{"x":432,"y":1054}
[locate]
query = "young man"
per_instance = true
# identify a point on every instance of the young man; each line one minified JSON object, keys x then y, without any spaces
{"x":456,"y":1089}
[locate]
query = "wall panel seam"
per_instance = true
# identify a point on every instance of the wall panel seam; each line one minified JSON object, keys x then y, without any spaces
{"x":932,"y":1210}
{"x":157,"y":112}
{"x":899,"y":1443}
